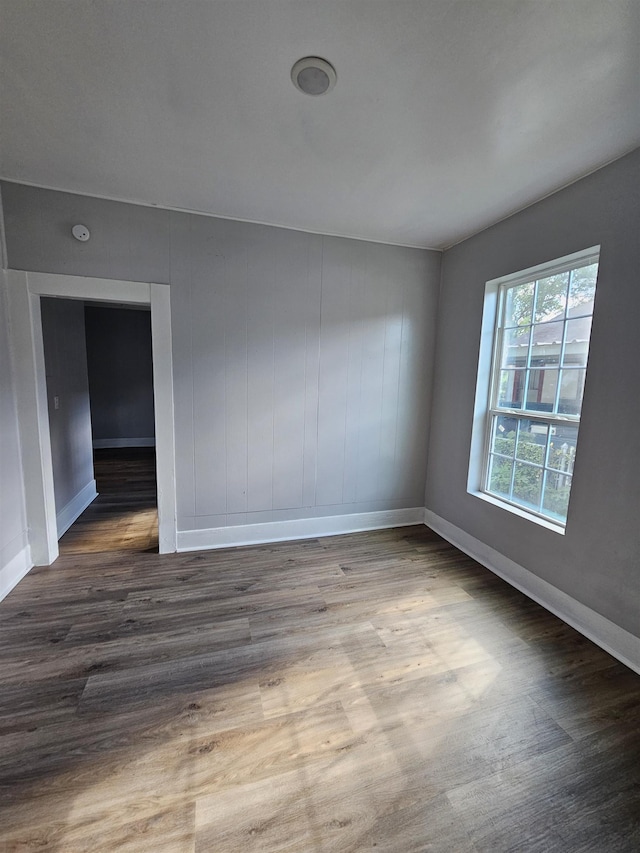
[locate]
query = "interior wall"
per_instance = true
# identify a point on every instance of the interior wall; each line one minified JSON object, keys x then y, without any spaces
{"x":63,"y":337}
{"x":120,"y":368}
{"x":302,"y":363}
{"x":596,"y":561}
{"x":13,"y":522}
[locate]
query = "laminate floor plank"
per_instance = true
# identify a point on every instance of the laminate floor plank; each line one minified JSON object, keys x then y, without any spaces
{"x":129,"y":649}
{"x":166,"y":831}
{"x":612,"y":700}
{"x":373,"y":692}
{"x":27,"y":704}
{"x":329,"y":807}
{"x":577,"y":798}
{"x":302,"y":660}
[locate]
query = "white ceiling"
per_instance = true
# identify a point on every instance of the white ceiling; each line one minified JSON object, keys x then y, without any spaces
{"x":447,"y":115}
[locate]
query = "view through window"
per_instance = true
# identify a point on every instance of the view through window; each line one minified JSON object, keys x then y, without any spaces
{"x":541,"y":344}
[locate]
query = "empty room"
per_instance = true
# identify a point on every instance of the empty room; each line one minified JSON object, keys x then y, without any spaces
{"x":319,"y":411}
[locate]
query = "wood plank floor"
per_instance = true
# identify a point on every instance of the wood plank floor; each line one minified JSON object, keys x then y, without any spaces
{"x":124,"y":516}
{"x":374,"y":692}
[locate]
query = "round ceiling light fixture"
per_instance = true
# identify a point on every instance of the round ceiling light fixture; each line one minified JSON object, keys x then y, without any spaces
{"x":313,"y":76}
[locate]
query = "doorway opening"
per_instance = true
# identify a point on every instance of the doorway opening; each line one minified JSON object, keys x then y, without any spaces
{"x":26,"y":290}
{"x":99,"y":368}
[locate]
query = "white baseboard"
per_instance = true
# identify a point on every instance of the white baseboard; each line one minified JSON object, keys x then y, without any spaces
{"x":600,"y":630}
{"x":100,"y":443}
{"x":14,"y":571}
{"x":76,"y":506}
{"x":302,"y":528}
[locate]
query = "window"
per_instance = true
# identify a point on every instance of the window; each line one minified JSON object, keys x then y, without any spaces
{"x":541,"y":326}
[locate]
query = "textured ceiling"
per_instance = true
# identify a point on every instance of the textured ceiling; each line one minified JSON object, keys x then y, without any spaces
{"x":447,"y":115}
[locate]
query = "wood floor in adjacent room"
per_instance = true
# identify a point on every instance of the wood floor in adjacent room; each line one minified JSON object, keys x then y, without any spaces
{"x":373,"y":692}
{"x":124,"y":516}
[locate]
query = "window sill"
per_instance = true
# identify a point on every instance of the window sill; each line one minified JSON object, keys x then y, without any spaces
{"x":522,"y":513}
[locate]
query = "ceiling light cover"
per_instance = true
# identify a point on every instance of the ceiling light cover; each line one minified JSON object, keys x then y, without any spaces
{"x":313,"y":76}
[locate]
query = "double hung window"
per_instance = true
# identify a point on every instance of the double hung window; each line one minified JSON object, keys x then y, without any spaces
{"x":540,"y":347}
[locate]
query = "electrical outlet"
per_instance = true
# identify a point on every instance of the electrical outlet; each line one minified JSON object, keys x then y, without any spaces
{"x":56,"y":402}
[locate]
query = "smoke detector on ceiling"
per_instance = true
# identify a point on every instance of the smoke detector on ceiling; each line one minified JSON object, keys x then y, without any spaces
{"x":81,"y":232}
{"x":313,"y":76}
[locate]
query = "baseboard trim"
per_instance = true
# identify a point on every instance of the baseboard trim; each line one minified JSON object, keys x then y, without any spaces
{"x":14,"y":571}
{"x":102,"y":443}
{"x":301,"y":528}
{"x":619,"y":643}
{"x":76,"y":506}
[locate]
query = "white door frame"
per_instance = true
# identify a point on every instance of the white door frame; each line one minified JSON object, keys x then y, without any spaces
{"x":25,"y":290}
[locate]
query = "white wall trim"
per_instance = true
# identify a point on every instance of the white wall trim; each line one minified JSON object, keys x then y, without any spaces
{"x":87,"y":289}
{"x":25,"y":289}
{"x":76,"y":506}
{"x":162,"y":352}
{"x":301,"y":528}
{"x":25,"y":330}
{"x":14,"y":571}
{"x":101,"y":443}
{"x":611,"y":637}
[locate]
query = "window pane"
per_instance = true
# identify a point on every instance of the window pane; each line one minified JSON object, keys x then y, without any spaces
{"x":551,"y":299}
{"x":511,"y":391}
{"x":515,"y":347}
{"x":504,"y":435}
{"x":540,"y":432}
{"x":519,"y":305}
{"x":571,"y":388}
{"x":547,"y":340}
{"x":531,"y":444}
{"x":500,"y":476}
{"x":562,"y":450}
{"x":527,"y":485}
{"x":556,"y":495}
{"x":541,"y":393}
{"x":576,"y":344}
{"x":582,"y":290}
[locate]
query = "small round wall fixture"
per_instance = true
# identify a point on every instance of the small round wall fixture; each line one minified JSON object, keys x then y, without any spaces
{"x":313,"y":76}
{"x":81,"y":232}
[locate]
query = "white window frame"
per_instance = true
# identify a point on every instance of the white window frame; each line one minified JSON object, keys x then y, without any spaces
{"x":486,"y":387}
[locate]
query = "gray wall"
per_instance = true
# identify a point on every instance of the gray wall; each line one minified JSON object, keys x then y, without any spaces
{"x":70,"y":424}
{"x":120,"y":369}
{"x":598,"y":560}
{"x":302,"y":363}
{"x":13,"y":522}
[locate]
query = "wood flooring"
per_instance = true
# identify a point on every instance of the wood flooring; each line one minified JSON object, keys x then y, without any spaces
{"x":124,"y":516}
{"x":373,"y":692}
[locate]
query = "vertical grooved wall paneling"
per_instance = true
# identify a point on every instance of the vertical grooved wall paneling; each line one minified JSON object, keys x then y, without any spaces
{"x":302,"y":363}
